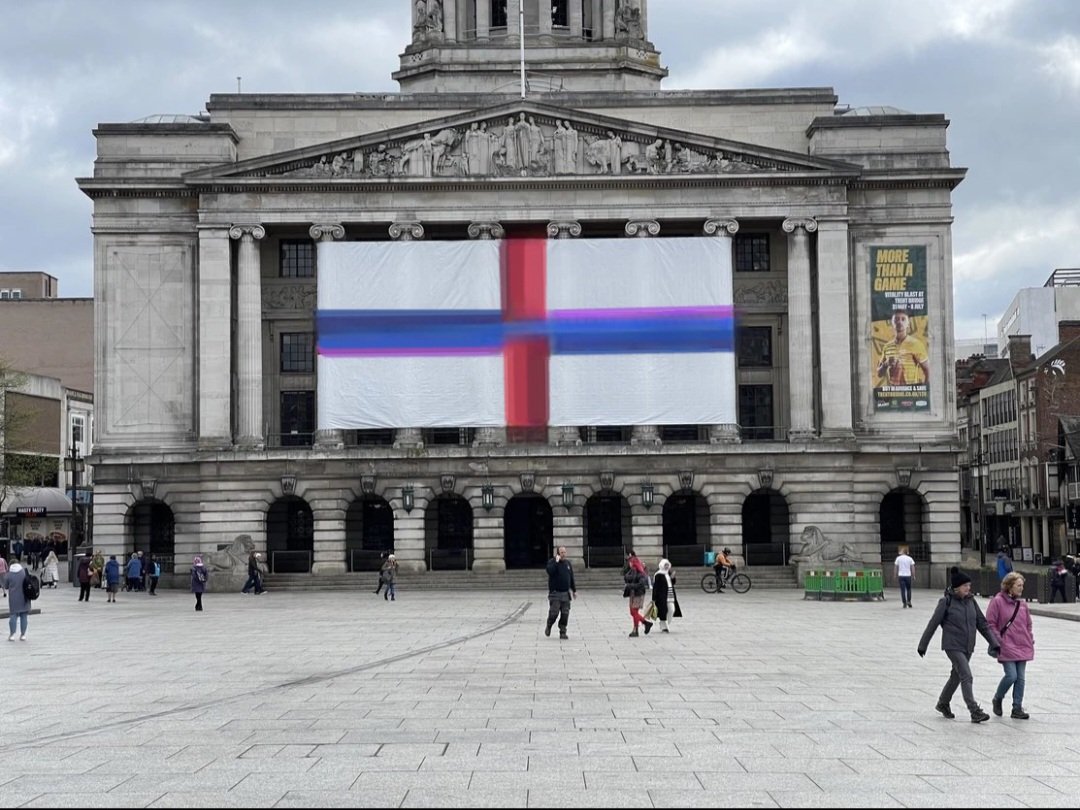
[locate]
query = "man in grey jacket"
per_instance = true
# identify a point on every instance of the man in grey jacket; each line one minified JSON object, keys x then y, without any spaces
{"x":959,"y":616}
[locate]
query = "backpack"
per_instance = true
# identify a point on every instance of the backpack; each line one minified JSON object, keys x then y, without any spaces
{"x":31,"y":587}
{"x":200,"y":575}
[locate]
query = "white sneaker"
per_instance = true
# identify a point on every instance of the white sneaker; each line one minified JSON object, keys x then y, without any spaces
{"x":11,"y":637}
{"x":22,"y":638}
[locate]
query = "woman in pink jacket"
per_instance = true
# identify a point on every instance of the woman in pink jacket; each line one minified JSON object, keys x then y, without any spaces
{"x":1008,"y":616}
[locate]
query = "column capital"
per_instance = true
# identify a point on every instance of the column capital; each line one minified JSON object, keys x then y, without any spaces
{"x":564,"y":229}
{"x":808,"y":224}
{"x":721,"y":226}
{"x":254,"y":231}
{"x":406,"y":231}
{"x":642,"y":228}
{"x":486,"y":230}
{"x":327,"y":232}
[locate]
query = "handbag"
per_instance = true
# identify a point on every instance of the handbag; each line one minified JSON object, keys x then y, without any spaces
{"x":650,"y":612}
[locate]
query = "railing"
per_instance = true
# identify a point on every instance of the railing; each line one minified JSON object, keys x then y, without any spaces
{"x":290,"y":562}
{"x":293,"y":439}
{"x":364,"y":560}
{"x":605,"y":556}
{"x":766,"y":553}
{"x":449,"y":559}
{"x":762,"y":433}
{"x":685,"y":554}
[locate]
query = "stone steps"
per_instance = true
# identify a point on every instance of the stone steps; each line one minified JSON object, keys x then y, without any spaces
{"x":518,"y":580}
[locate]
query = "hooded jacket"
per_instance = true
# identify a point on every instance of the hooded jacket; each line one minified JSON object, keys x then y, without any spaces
{"x":13,"y":581}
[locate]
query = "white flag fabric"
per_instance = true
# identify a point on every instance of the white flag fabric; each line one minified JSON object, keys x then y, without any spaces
{"x":491,"y":333}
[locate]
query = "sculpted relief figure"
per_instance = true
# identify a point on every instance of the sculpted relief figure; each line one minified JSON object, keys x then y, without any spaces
{"x":537,"y":148}
{"x":427,"y":18}
{"x":606,"y":154}
{"x":441,"y":145}
{"x":477,"y":151}
{"x":416,"y":157}
{"x":565,"y":148}
{"x":628,"y":21}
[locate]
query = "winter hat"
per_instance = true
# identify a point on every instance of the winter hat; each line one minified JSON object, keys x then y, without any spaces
{"x":958,"y":577}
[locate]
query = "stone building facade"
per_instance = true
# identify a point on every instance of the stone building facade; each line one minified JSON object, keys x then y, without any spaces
{"x":205,"y":264}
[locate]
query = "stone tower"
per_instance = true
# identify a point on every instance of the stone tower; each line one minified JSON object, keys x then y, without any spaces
{"x":474,"y":46}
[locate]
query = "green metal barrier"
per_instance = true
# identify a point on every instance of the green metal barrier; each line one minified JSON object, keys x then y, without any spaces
{"x":847,"y":585}
{"x":812,"y":585}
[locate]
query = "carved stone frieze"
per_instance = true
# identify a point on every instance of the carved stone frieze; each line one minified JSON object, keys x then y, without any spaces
{"x":762,"y":292}
{"x":522,"y":145}
{"x":301,"y":297}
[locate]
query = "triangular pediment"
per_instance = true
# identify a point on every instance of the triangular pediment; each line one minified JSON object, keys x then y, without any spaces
{"x":521,"y":139}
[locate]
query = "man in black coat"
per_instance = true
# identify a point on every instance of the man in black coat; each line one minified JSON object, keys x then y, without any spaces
{"x":561,"y":590}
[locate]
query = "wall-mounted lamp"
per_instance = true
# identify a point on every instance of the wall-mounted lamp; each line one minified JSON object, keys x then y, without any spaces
{"x":148,"y":486}
{"x":647,"y":495}
{"x":686,"y":479}
{"x":567,"y":495}
{"x":367,"y":484}
{"x":487,"y":497}
{"x":288,"y":484}
{"x":407,"y":498}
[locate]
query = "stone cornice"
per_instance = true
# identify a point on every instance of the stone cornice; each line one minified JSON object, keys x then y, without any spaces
{"x":873,"y":121}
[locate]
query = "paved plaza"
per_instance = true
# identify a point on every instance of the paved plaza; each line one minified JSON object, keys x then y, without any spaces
{"x":449,"y":699}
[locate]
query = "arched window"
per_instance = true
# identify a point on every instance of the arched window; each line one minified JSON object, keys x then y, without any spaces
{"x":766,"y":528}
{"x":290,"y":535}
{"x":686,"y":528}
{"x":152,"y":530}
{"x":369,"y":532}
{"x":528,"y":531}
{"x":607,"y":530}
{"x":448,"y":533}
{"x":901,"y":518}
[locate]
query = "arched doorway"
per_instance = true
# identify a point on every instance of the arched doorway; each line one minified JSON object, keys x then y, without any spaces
{"x":290,"y":536}
{"x":528,"y":531}
{"x":448,"y":533}
{"x":901,"y":518}
{"x":686,"y":528}
{"x":152,"y":530}
{"x":607,"y":530}
{"x":369,"y":532}
{"x":766,"y":528}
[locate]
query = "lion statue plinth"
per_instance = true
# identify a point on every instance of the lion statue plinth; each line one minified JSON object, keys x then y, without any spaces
{"x":232,"y":559}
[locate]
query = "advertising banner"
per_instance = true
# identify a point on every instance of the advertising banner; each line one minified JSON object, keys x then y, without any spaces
{"x":899,"y":356}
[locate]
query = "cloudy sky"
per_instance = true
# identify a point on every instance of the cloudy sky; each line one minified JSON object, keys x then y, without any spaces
{"x":1005,"y":72}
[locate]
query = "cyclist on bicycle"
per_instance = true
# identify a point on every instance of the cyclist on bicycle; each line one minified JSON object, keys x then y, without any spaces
{"x":724,"y":568}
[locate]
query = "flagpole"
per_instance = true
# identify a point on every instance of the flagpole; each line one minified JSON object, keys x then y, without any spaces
{"x":521,"y":39}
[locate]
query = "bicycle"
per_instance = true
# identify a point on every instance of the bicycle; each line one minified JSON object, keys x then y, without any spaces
{"x":740,"y":583}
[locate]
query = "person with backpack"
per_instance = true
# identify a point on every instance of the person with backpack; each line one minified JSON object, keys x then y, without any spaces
{"x":959,"y":616}
{"x":22,"y":589}
{"x":1004,"y":564}
{"x":1057,"y":580}
{"x":637,"y":582}
{"x":1009,"y":617}
{"x":388,"y":577}
{"x":199,"y":578}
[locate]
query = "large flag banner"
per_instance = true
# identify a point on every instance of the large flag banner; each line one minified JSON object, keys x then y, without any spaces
{"x":525,"y":332}
{"x":899,"y":359}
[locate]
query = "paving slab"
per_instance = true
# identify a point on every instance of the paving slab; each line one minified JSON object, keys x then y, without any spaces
{"x":314,"y":700}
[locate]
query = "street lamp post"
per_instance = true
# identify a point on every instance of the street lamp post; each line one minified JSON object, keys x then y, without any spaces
{"x":73,"y":464}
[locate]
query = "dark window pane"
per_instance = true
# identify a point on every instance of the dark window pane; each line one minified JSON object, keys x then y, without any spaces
{"x":459,"y":436}
{"x":756,"y":412}
{"x":752,"y":253}
{"x":297,"y":259}
{"x":297,"y":352}
{"x":683,"y":433}
{"x":754,"y":346}
{"x":297,"y":417}
{"x":560,"y":12}
{"x":498,"y":13}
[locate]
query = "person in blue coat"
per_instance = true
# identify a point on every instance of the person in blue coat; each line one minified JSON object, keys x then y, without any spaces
{"x":112,"y":577}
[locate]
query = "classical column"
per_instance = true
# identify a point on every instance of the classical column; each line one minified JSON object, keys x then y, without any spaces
{"x":564,"y":434}
{"x":834,"y":328}
{"x":450,"y":21}
{"x":545,"y":18}
{"x":332,"y":439}
{"x":643,"y":228}
{"x":249,"y":422}
{"x":608,"y":15}
{"x":577,"y":17}
{"x":488,"y":436}
{"x":564,"y":229}
{"x":215,"y":319}
{"x":800,"y":331}
{"x":407,"y":231}
{"x":597,"y":19}
{"x":512,"y":13}
{"x":724,"y":228}
{"x":483,"y":19}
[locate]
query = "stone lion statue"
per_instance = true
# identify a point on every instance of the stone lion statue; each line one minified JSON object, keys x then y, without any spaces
{"x":233,"y":558}
{"x":817,"y":549}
